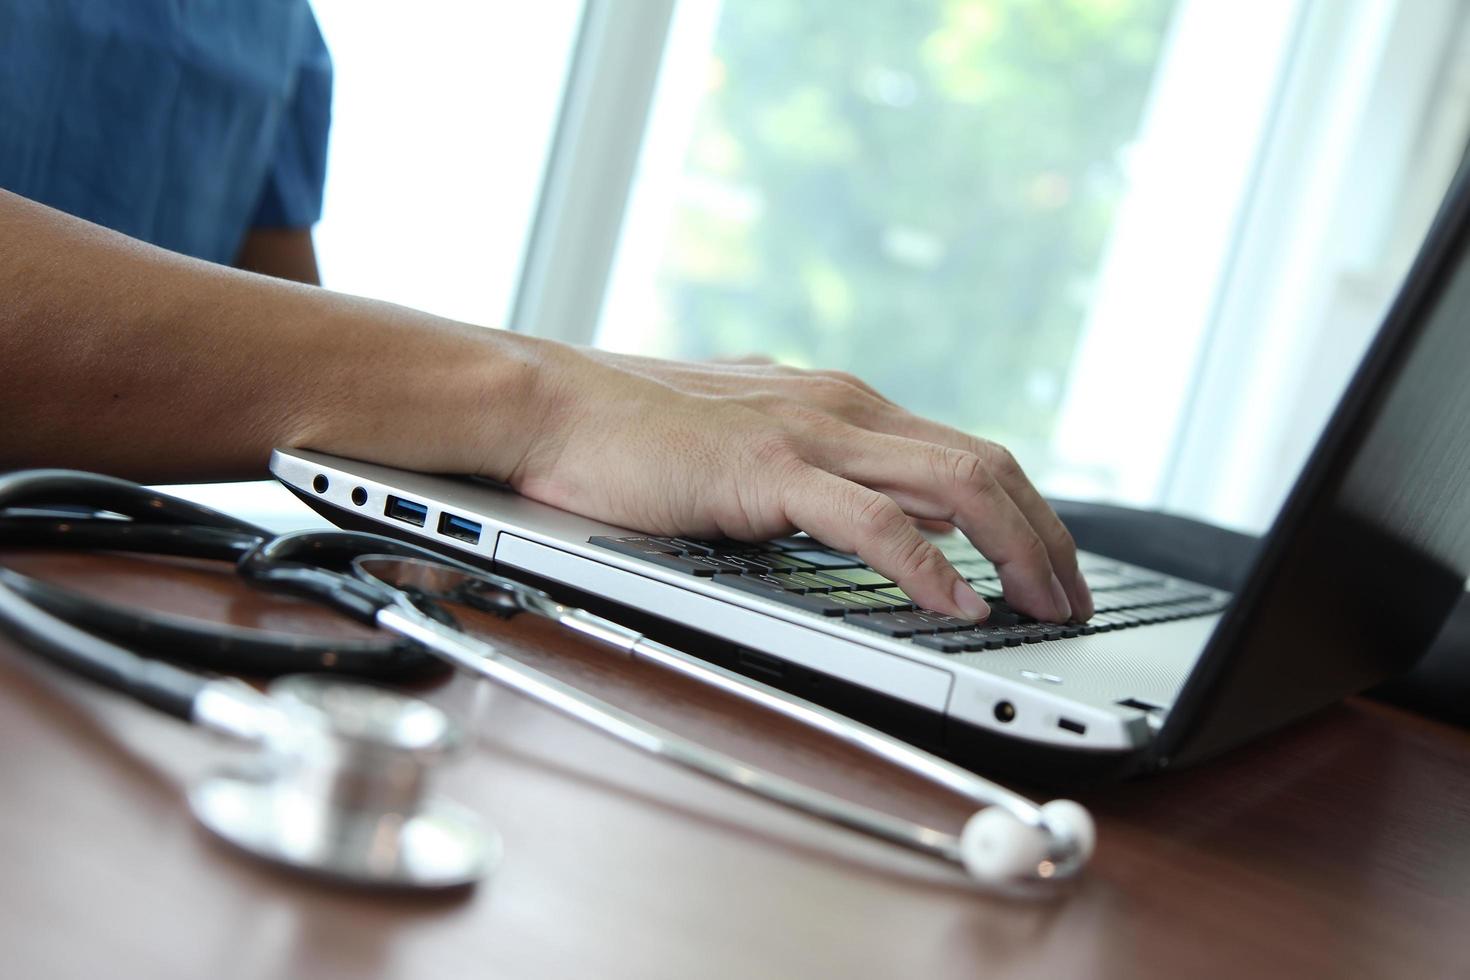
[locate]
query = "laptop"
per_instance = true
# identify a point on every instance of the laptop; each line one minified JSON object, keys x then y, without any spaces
{"x":1360,"y":569}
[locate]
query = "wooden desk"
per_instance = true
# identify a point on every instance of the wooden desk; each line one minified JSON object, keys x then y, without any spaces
{"x":1340,"y":848}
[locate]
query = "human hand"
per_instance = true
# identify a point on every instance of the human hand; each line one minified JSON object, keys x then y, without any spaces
{"x":753,"y":450}
{"x":176,"y":370}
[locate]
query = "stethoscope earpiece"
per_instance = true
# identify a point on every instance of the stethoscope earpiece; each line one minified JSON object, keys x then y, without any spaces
{"x":998,"y":848}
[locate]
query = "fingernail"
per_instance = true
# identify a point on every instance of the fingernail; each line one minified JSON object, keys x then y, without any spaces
{"x":1059,"y":595}
{"x":970,"y":602}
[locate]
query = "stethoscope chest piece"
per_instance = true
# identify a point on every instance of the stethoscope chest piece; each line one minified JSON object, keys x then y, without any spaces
{"x":341,"y":790}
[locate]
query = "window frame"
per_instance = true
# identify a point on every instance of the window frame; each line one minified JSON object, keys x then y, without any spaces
{"x":590,"y":169}
{"x":1198,"y":446}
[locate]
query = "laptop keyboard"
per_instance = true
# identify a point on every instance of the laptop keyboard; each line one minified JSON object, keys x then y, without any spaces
{"x":802,"y":573}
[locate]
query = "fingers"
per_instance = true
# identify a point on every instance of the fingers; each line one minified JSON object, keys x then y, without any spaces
{"x":940,"y":483}
{"x":854,"y":518}
{"x":1060,"y":548}
{"x":850,"y":400}
{"x":978,"y":486}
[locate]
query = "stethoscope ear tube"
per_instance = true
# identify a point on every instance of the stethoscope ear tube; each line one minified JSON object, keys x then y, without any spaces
{"x":114,"y":534}
{"x":105,"y":493}
{"x":1011,"y":844}
{"x":154,"y":683}
{"x":227,"y":648}
{"x":184,"y":639}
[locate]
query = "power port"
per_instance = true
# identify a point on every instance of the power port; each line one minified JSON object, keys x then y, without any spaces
{"x":321,"y":483}
{"x":1005,"y":711}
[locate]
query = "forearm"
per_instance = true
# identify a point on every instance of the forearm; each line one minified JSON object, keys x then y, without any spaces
{"x":123,"y":358}
{"x":128,"y":359}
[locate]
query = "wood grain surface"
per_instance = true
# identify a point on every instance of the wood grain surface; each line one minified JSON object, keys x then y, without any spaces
{"x":1340,"y":848}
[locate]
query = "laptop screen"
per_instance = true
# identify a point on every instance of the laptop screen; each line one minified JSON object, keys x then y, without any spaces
{"x":1372,"y":549}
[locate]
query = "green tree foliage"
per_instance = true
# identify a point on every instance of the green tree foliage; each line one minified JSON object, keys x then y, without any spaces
{"x":917,"y":191}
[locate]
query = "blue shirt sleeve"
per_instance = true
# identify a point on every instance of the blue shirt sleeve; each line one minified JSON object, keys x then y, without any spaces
{"x":296,"y":176}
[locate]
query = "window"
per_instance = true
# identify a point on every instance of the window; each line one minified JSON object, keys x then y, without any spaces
{"x":1141,"y":242}
{"x":442,"y":120}
{"x":916,"y":192}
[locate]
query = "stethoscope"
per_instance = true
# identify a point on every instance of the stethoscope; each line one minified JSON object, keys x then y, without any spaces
{"x":342,"y":785}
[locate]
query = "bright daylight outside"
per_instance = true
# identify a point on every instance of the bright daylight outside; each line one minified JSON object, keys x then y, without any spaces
{"x":919,"y":193}
{"x":1142,"y":243}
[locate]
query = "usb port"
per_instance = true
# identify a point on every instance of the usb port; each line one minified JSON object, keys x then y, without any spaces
{"x":407,"y":511}
{"x":459,"y":528}
{"x":1068,"y":725}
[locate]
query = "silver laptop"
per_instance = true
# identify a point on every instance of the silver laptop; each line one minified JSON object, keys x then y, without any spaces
{"x":1360,"y":570}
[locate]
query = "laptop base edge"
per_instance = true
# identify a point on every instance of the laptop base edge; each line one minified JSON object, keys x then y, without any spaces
{"x":975,"y":748}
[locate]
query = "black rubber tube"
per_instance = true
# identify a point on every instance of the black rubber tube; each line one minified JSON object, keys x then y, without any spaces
{"x":156,"y":684}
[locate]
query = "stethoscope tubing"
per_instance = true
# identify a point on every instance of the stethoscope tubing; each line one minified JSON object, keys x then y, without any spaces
{"x":280,"y":562}
{"x":155,"y":683}
{"x":847,"y":730}
{"x":328,"y":567}
{"x":481,"y":659}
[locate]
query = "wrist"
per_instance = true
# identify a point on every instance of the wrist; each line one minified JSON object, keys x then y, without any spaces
{"x":408,"y":389}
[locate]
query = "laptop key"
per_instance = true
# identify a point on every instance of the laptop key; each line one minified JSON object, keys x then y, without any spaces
{"x":957,"y":548}
{"x":862,"y":578}
{"x":827,"y":604}
{"x":765,"y":578}
{"x":713,"y":563}
{"x":982,"y":638}
{"x":988,"y":589}
{"x":941,"y":642}
{"x":778,"y":561}
{"x":863,"y":600}
{"x":976,"y":639}
{"x":687,"y":564}
{"x":930,"y":622}
{"x":825,"y":559}
{"x":1001,"y":616}
{"x":885,"y":623}
{"x":1013,"y":636}
{"x":946,"y":622}
{"x":811,"y":582}
{"x":899,"y":597}
{"x":883,"y":599}
{"x":976,"y":567}
{"x":816,"y":602}
{"x":755,"y":564}
{"x":637,"y":547}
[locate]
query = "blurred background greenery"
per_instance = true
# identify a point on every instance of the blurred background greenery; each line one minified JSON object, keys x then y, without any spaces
{"x":918,"y":192}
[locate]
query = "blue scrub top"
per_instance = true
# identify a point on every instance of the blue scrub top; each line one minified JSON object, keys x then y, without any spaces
{"x":181,"y":122}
